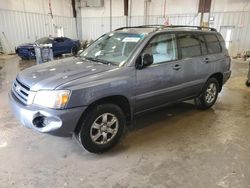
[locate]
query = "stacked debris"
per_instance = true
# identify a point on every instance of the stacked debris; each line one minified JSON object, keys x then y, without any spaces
{"x":245,"y":56}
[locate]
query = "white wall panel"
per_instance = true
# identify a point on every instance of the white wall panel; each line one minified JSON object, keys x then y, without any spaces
{"x":59,"y":7}
{"x":94,"y":27}
{"x":20,"y":27}
{"x":240,"y":22}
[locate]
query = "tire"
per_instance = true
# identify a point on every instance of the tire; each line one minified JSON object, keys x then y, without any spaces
{"x":208,"y":95}
{"x":248,"y":83}
{"x":98,"y":135}
{"x":74,"y":50}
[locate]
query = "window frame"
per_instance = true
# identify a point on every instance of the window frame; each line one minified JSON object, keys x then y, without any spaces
{"x":205,"y":43}
{"x":152,"y":38}
{"x":192,"y":34}
{"x":215,"y":34}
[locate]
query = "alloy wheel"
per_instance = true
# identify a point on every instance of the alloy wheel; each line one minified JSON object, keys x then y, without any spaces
{"x":104,"y":128}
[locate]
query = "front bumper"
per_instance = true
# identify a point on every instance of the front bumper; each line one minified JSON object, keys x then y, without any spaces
{"x":58,"y":122}
{"x":226,"y":76}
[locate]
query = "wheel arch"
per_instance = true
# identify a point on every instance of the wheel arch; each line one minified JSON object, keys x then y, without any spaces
{"x":118,"y":100}
{"x":219,"y":77}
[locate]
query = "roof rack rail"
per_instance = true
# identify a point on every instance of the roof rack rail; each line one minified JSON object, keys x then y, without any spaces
{"x":197,"y":27}
{"x":142,"y":26}
{"x":169,"y":26}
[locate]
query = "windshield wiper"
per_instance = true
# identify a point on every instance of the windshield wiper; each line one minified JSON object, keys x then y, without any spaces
{"x":100,"y":60}
{"x":91,"y":59}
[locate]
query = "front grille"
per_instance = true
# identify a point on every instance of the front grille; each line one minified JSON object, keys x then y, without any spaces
{"x":21,"y":91}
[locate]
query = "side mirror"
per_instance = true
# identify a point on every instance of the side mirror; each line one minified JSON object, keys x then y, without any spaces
{"x":144,"y":61}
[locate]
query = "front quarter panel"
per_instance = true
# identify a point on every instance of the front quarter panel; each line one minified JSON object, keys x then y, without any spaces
{"x":85,"y":91}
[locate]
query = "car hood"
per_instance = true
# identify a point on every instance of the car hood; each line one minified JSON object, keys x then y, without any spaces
{"x":50,"y":75}
{"x":26,"y":45}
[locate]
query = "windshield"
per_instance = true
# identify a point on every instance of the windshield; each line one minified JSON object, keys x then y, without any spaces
{"x":114,"y":48}
{"x":44,"y":40}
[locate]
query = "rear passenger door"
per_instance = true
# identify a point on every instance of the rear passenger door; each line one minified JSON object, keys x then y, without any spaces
{"x":192,"y":60}
{"x":213,"y":56}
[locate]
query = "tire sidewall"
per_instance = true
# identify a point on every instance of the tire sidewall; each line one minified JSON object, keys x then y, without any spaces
{"x":84,"y":134}
{"x":211,"y":80}
{"x":74,"y":50}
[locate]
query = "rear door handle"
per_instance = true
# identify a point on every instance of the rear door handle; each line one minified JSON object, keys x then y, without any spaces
{"x":177,"y":67}
{"x":206,"y":60}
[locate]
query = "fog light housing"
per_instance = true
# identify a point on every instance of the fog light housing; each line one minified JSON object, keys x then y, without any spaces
{"x":40,"y":121}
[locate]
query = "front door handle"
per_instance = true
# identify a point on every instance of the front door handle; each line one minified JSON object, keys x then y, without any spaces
{"x":206,"y":60}
{"x":177,"y":67}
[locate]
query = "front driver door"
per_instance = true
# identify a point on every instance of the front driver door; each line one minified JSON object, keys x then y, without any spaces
{"x":158,"y":83}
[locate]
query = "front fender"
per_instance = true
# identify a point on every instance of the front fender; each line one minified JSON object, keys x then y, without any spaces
{"x":85,"y":91}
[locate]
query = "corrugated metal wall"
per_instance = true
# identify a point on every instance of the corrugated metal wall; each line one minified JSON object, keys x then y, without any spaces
{"x":95,"y":27}
{"x":239,"y":21}
{"x":21,"y":27}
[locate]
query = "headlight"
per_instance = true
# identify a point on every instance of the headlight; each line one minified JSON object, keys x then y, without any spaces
{"x":52,"y":99}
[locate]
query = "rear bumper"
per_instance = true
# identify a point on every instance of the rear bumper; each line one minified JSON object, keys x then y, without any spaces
{"x":58,"y":122}
{"x":226,"y":76}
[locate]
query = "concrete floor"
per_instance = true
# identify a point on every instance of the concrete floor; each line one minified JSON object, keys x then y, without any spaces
{"x":178,"y":146}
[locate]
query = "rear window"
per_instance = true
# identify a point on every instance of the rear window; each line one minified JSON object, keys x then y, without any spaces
{"x":189,"y":45}
{"x":213,"y":44}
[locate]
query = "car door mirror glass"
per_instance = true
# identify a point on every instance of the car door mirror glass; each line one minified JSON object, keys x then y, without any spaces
{"x":144,"y":61}
{"x":147,"y":60}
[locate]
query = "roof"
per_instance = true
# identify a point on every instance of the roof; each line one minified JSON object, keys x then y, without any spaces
{"x":153,"y":28}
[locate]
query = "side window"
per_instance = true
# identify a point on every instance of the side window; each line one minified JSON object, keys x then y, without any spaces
{"x":163,"y":48}
{"x":203,"y":45}
{"x":213,"y":45}
{"x":189,"y":45}
{"x":58,"y":39}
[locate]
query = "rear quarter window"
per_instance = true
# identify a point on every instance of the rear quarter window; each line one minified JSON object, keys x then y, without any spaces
{"x":213,"y":44}
{"x":222,"y":41}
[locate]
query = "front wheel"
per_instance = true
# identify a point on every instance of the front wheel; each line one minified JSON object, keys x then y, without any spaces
{"x":208,"y":95}
{"x":102,"y":128}
{"x":74,"y":50}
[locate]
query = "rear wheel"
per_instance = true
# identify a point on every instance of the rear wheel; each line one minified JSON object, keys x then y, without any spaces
{"x":209,"y":94}
{"x":102,"y":128}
